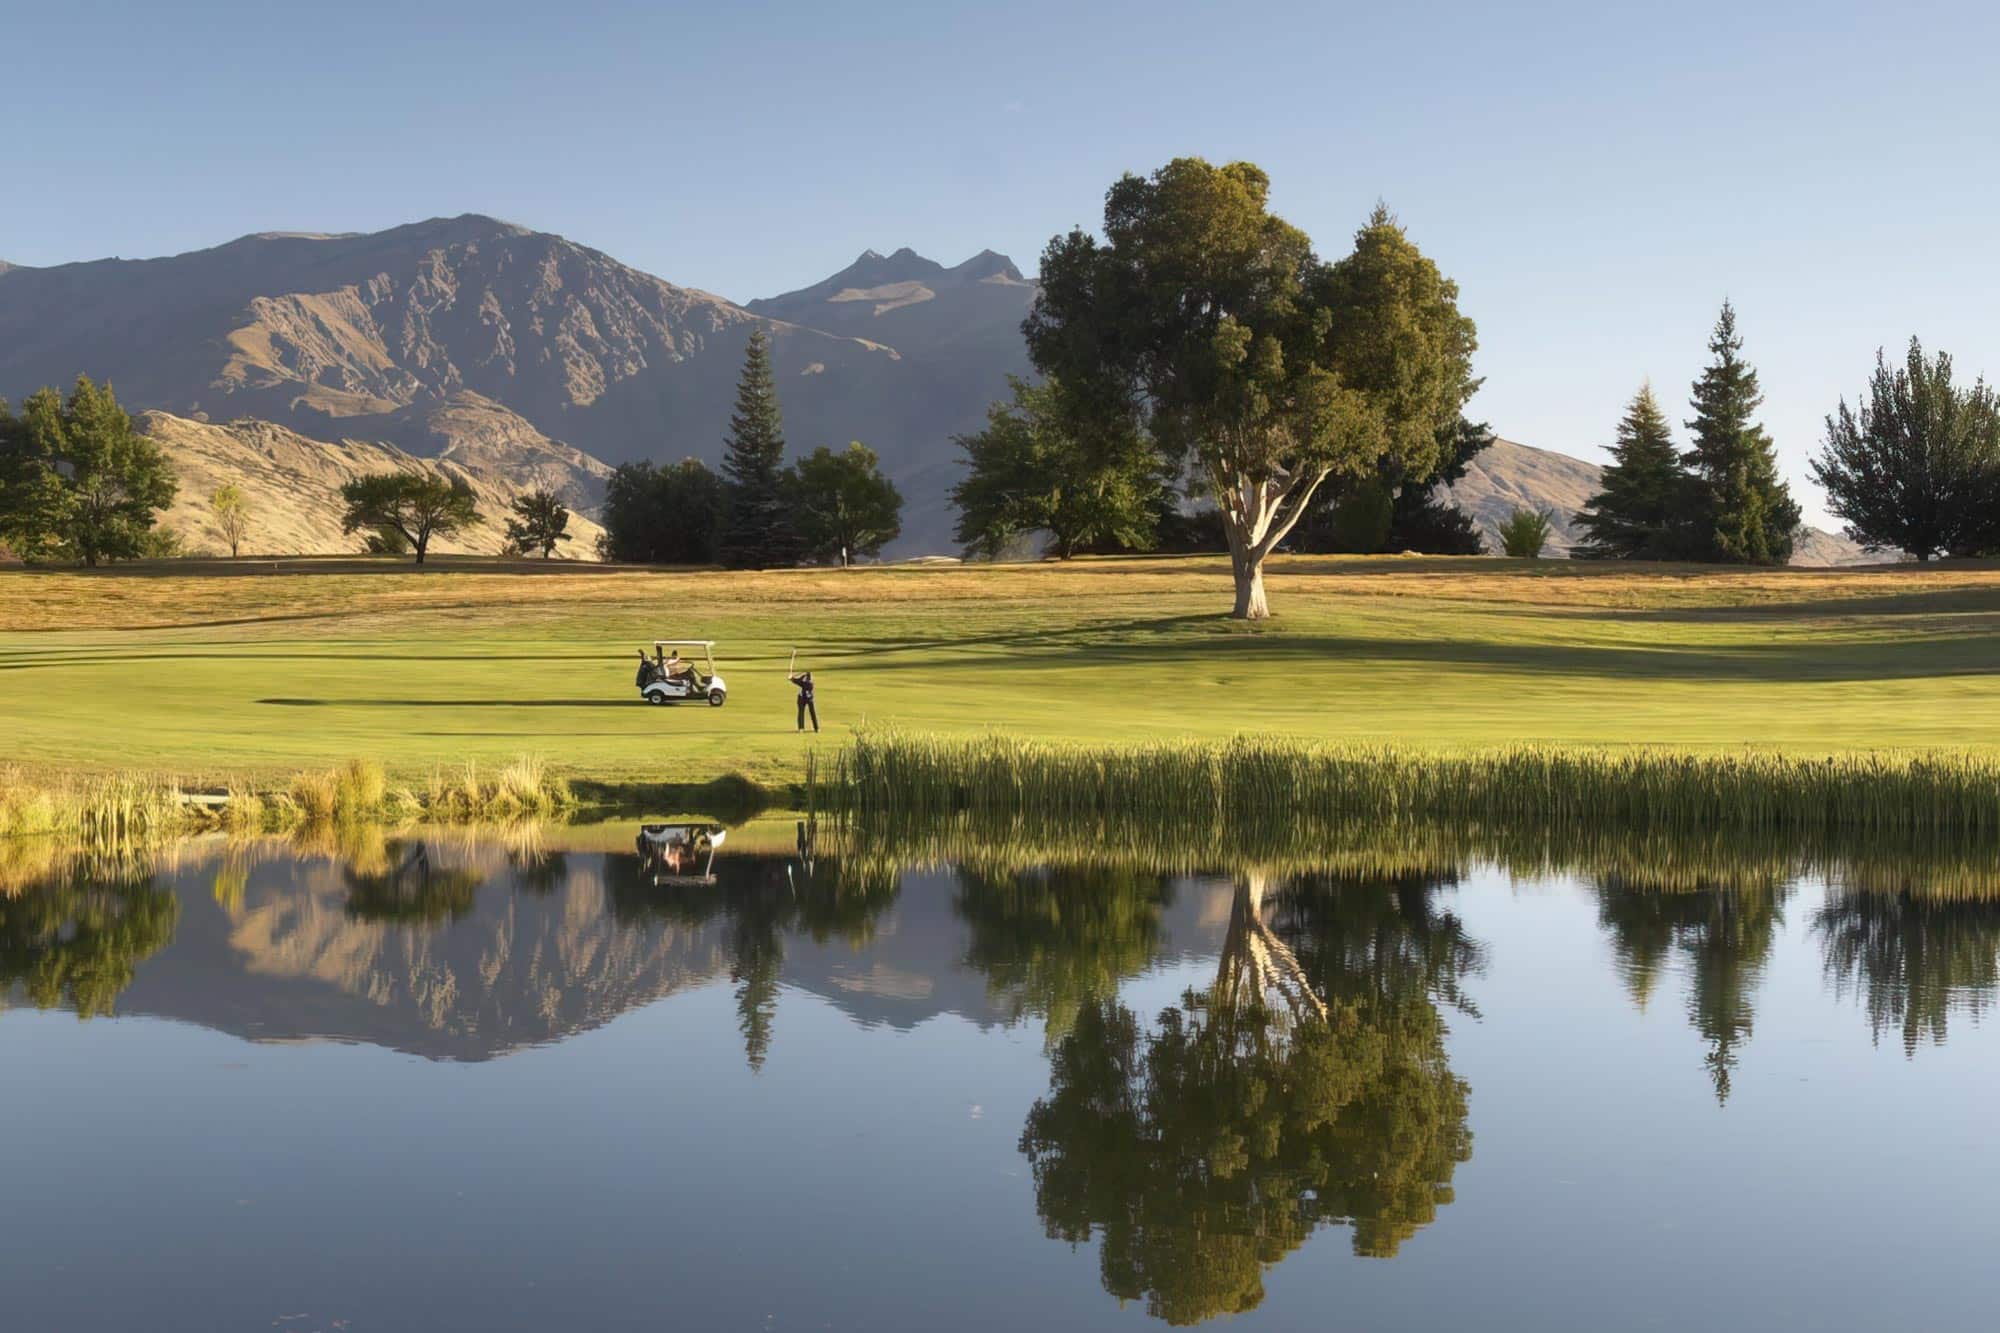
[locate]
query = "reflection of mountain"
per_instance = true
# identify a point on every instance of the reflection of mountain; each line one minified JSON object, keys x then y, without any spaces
{"x":486,"y":973}
{"x":455,"y":952}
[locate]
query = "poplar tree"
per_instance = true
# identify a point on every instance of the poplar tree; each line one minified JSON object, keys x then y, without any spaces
{"x":1743,"y":513}
{"x":1637,"y":515}
{"x":756,"y":530}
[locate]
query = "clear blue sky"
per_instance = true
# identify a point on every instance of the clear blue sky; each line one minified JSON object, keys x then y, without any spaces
{"x":1596,"y":176}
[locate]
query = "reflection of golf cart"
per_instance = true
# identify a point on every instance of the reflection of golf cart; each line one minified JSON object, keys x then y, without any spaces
{"x":669,"y":680}
{"x":680,"y":853}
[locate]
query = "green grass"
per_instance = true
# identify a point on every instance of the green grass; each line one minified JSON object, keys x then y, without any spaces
{"x":211,"y":677}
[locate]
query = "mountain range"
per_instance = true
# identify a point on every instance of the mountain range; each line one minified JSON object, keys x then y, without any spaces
{"x":517,"y":358}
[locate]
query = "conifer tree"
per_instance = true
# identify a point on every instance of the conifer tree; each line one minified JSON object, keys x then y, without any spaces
{"x":1917,"y":467}
{"x":1637,"y":515}
{"x":756,"y":530}
{"x":1742,"y":512}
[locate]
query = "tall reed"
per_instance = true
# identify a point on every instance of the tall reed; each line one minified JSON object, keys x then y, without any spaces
{"x":128,"y":807}
{"x":1249,"y":781}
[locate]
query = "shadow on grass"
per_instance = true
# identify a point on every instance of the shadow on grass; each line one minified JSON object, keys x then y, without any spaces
{"x":732,"y":798}
{"x":457,"y":703}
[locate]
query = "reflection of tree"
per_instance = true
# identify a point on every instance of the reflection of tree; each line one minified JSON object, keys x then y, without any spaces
{"x":79,"y":939}
{"x":1308,"y":1085}
{"x":1912,"y":956}
{"x":409,"y":887}
{"x":1052,"y":942}
{"x":761,"y":899}
{"x":1722,"y":933}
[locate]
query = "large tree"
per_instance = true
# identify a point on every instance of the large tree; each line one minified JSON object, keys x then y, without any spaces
{"x":1040,"y":465}
{"x":1742,"y":510}
{"x":844,"y":505}
{"x":662,"y":515}
{"x":1640,"y":511}
{"x":1916,"y":467}
{"x":416,"y":506}
{"x":756,"y":530}
{"x":1212,"y":322}
{"x":77,"y":482}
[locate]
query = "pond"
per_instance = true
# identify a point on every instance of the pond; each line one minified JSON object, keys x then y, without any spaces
{"x":630,"y":1077}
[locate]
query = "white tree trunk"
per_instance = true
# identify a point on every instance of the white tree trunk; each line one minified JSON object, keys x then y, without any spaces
{"x":1256,"y":516}
{"x":1249,"y":573}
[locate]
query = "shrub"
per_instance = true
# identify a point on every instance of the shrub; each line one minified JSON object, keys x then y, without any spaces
{"x":1525,"y":533}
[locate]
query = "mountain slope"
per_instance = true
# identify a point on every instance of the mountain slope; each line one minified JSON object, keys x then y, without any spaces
{"x":293,"y":487}
{"x":1507,"y":476}
{"x":348,"y":335}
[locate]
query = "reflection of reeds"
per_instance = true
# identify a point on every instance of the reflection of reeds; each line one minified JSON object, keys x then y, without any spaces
{"x":1939,"y":864}
{"x":1251,"y":779}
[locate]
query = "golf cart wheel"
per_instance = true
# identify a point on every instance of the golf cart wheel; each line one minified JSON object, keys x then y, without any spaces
{"x":715,"y":698}
{"x":656,"y":697}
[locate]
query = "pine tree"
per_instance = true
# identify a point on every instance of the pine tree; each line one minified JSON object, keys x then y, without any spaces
{"x":1742,"y":512}
{"x":756,"y":530}
{"x":1637,"y":515}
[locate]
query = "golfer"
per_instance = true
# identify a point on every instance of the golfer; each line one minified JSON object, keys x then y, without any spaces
{"x":804,"y":680}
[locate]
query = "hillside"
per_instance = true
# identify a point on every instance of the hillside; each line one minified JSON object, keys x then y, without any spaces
{"x":293,"y":484}
{"x":1509,"y":476}
{"x":365,"y":336}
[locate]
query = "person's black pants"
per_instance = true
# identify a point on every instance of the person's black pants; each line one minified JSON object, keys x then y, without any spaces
{"x":806,"y":706}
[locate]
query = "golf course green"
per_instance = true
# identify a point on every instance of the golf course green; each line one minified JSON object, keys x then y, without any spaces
{"x":214,"y":670}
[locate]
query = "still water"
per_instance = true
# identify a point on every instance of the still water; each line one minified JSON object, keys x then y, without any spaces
{"x":623,"y":1079}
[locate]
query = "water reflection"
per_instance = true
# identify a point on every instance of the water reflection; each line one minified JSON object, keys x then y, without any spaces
{"x":1913,"y":957}
{"x":1299,"y":1089}
{"x":1296,"y":1076}
{"x":77,"y":940}
{"x":761,"y":898}
{"x":1055,"y":941}
{"x":1719,"y":930}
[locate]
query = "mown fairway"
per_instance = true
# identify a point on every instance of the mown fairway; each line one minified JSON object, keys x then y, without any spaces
{"x":257,"y":672}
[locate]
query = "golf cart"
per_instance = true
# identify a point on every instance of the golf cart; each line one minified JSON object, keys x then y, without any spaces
{"x":670,"y":679}
{"x":680,"y":853}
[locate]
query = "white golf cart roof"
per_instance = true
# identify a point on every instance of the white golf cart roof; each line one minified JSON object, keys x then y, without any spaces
{"x":684,"y":643}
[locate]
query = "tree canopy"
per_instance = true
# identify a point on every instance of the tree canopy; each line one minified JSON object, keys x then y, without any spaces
{"x":77,"y":482}
{"x":1917,"y":466}
{"x":843,"y":505}
{"x":662,"y":515}
{"x":1040,"y":465}
{"x":232,"y":515}
{"x":1212,"y":324}
{"x":416,"y":506}
{"x":539,"y":521}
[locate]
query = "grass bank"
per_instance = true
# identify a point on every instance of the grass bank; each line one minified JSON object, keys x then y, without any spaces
{"x":223,"y":676}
